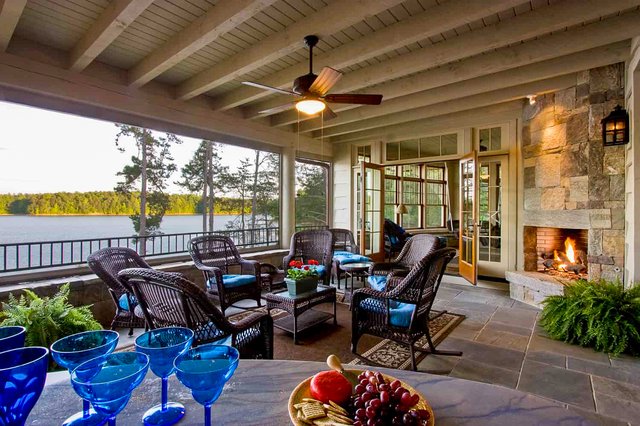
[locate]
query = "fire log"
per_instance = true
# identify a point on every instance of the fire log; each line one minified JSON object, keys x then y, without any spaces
{"x":576,"y":268}
{"x":550,"y":264}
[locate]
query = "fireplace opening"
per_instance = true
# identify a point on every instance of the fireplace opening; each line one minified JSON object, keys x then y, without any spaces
{"x":556,"y":251}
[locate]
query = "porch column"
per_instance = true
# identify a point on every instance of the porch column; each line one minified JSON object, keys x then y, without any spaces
{"x":288,"y":196}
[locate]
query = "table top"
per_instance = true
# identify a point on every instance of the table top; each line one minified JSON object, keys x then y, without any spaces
{"x":258,"y":392}
{"x":320,"y":290}
{"x":356,"y":266}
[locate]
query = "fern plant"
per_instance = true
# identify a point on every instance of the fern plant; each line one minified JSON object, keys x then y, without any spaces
{"x":598,"y":314}
{"x":47,"y":319}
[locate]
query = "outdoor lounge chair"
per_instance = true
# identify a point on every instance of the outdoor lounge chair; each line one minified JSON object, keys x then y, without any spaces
{"x":345,"y":250}
{"x":395,"y":237}
{"x":170,"y":299}
{"x":402,"y":314}
{"x":414,"y":250}
{"x":214,"y":255}
{"x":106,"y":263}
{"x":313,"y":244}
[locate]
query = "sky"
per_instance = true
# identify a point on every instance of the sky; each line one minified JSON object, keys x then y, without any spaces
{"x":46,"y":151}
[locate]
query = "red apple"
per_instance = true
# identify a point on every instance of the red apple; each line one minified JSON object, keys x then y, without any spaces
{"x":330,"y":386}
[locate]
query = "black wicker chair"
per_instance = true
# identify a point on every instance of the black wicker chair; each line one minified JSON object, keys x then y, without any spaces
{"x":389,"y":273}
{"x":395,"y":237}
{"x":214,"y":255}
{"x":403,"y":313}
{"x":171,"y":300}
{"x":313,"y":244}
{"x":343,"y":241}
{"x":106,"y":263}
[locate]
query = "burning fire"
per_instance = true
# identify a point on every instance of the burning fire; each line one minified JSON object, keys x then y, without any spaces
{"x":569,"y":253}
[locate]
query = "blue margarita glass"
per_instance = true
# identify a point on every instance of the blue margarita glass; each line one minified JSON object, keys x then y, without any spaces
{"x":163,"y":345}
{"x":73,"y":350}
{"x":12,"y":337}
{"x":205,"y":370}
{"x":23,"y":372}
{"x":107,"y":381}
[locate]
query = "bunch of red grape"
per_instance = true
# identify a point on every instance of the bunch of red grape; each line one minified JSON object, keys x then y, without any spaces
{"x":377,"y":403}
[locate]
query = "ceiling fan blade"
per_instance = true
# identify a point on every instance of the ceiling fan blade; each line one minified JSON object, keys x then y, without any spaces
{"x":328,"y":114}
{"x":346,"y":98}
{"x":278,"y":109}
{"x":327,"y":78}
{"x":270,"y":88}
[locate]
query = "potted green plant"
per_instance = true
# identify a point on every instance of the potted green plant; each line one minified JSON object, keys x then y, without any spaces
{"x":302,"y":278}
{"x":47,"y":319}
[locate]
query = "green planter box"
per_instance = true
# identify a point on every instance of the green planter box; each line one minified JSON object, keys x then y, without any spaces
{"x":304,"y":285}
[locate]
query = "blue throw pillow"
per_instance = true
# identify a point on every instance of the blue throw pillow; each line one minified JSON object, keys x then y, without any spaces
{"x":344,"y":257}
{"x":123,"y":302}
{"x":377,"y":282}
{"x":400,"y":313}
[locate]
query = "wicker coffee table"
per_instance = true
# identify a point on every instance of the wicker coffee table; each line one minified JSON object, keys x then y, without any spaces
{"x":297,"y":305}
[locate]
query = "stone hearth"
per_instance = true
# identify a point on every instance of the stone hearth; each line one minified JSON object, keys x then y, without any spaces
{"x":533,"y":287}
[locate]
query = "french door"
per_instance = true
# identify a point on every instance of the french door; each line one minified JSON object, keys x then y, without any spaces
{"x":468,"y":257}
{"x":370,"y":210}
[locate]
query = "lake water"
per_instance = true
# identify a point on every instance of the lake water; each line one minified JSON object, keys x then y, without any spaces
{"x":19,"y":229}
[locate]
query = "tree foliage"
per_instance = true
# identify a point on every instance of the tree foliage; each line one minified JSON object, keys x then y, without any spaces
{"x":598,"y":314}
{"x":311,"y":195}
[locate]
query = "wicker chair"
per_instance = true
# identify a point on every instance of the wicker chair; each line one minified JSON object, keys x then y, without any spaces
{"x":343,"y":241}
{"x":171,"y":300}
{"x":213,"y":255}
{"x":106,"y":263}
{"x":395,"y":237}
{"x":316,"y":244}
{"x":403,"y":313}
{"x":389,"y":273}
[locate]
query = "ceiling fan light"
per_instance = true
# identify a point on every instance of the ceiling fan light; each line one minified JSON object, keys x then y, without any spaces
{"x":310,"y":106}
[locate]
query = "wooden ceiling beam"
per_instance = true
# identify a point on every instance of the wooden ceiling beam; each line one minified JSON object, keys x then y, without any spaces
{"x":223,"y":17}
{"x":434,"y":125}
{"x":374,"y":125}
{"x":10,"y":12}
{"x":392,"y":110}
{"x":432,"y":22}
{"x":528,"y":25}
{"x":109,"y":25}
{"x":326,"y":21}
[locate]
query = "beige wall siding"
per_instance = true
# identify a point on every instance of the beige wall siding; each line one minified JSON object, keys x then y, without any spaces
{"x":632,"y":183}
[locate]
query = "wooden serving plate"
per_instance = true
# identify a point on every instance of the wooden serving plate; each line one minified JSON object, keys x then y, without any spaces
{"x":303,"y":391}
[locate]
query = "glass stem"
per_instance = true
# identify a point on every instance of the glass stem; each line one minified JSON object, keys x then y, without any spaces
{"x":86,"y":406}
{"x":112,"y":421}
{"x":207,"y":415}
{"x":165,"y":385}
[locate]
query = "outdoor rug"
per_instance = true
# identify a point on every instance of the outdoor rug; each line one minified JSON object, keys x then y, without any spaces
{"x":316,"y":343}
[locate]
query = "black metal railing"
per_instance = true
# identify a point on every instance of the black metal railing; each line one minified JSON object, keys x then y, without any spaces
{"x":51,"y":254}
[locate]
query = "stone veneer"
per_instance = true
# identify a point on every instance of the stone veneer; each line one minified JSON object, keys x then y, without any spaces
{"x":570,"y":179}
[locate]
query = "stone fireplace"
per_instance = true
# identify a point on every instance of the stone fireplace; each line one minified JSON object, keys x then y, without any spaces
{"x":573,"y":185}
{"x":545,"y":250}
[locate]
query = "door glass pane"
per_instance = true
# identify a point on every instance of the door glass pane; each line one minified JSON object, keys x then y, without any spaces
{"x":373,"y":210}
{"x":490,"y":211}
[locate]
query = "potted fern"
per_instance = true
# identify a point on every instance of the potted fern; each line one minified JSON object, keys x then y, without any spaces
{"x":598,"y":314}
{"x":47,"y":319}
{"x":302,"y":278}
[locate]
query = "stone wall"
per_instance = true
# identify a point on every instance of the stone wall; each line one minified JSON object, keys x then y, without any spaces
{"x":570,"y":179}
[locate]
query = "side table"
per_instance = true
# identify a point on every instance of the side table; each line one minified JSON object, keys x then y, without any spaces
{"x":297,"y":305}
{"x":354,"y":270}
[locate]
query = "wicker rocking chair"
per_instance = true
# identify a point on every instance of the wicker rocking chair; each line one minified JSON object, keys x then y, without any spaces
{"x":213,"y":255}
{"x":403,"y":313}
{"x":171,"y":300}
{"x":313,"y":244}
{"x":106,"y":263}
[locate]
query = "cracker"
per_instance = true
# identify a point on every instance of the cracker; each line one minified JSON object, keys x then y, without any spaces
{"x":339,"y":418}
{"x":325,"y":421}
{"x":312,"y":411}
{"x":300,"y":417}
{"x":311,"y":400}
{"x":337,"y":408}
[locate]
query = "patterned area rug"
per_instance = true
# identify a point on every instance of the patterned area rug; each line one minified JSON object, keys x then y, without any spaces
{"x":394,"y":355}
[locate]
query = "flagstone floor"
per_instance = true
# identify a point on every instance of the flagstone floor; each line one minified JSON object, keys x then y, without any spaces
{"x":503,"y":344}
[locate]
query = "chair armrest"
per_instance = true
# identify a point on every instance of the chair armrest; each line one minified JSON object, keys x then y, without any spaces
{"x":211,"y":272}
{"x":382,"y":268}
{"x":285,"y":261}
{"x":250,"y":267}
{"x":364,"y":293}
{"x":248,"y":322}
{"x":268,"y":268}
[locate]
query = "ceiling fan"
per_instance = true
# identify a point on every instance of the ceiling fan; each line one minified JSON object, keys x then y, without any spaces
{"x":313,"y":90}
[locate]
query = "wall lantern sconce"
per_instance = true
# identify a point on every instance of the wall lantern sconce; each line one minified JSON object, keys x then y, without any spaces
{"x":615,"y":127}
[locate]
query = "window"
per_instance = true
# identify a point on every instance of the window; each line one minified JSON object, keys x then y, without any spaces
{"x":436,"y":201}
{"x":312,"y":183}
{"x":431,"y":146}
{"x":404,"y":183}
{"x":490,"y":139}
{"x":363,"y":154}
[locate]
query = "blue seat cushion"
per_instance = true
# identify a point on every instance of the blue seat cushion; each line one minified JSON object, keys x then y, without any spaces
{"x":123,"y":302}
{"x":399,"y":313}
{"x":319,"y":269}
{"x":345,"y":257}
{"x":377,"y":282}
{"x":231,"y":280}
